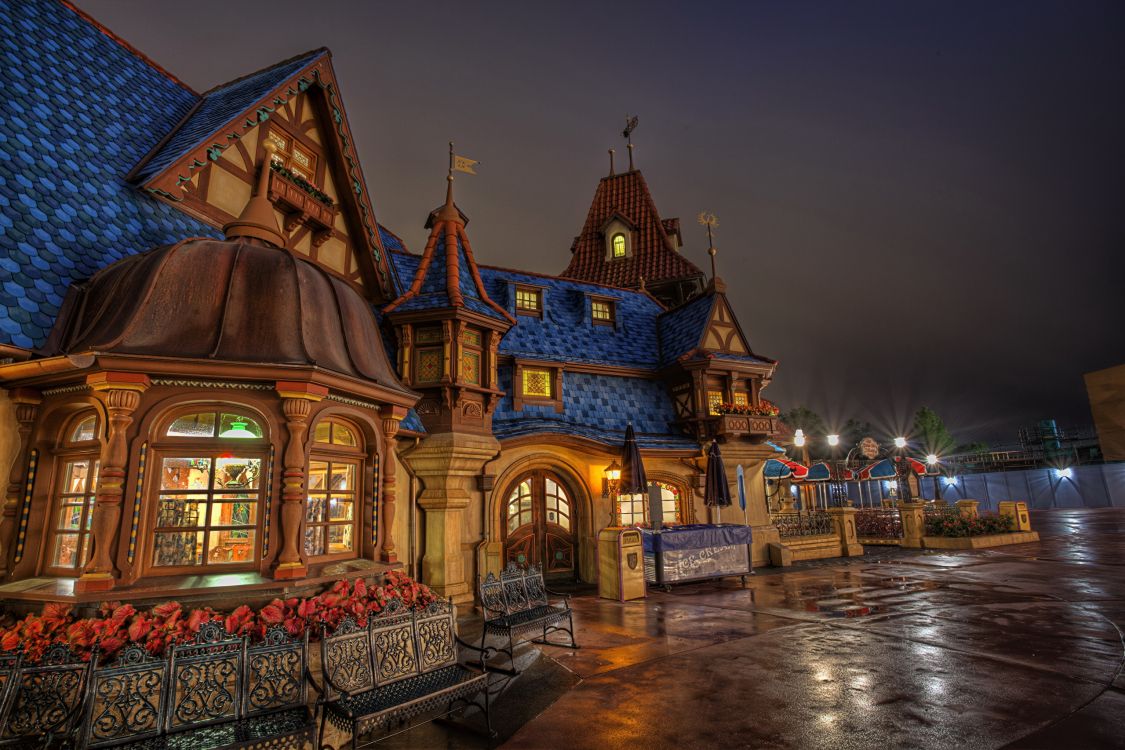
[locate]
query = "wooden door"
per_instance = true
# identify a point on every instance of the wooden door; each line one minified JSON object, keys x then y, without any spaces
{"x":539,"y":524}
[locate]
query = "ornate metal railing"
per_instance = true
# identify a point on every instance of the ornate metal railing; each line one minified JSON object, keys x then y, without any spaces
{"x":878,"y":523}
{"x":802,"y":524}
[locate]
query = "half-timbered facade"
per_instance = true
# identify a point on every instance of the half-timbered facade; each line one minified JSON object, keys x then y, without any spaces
{"x":220,"y":373}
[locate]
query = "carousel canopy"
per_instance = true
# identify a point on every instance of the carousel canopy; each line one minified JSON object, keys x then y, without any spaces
{"x":884,"y":469}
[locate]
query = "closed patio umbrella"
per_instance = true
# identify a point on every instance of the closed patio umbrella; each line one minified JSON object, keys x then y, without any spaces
{"x":717,"y":492}
{"x":633,"y":480}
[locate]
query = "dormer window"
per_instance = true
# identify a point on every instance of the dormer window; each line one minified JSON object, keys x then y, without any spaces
{"x":602,"y":312}
{"x":292,"y":155}
{"x":619,"y":245}
{"x":529,"y":301}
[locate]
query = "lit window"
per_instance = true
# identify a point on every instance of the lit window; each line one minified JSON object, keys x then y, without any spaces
{"x":528,"y":301}
{"x":631,"y":508}
{"x":602,"y":312}
{"x":537,"y":383}
{"x":291,"y":155}
{"x":470,"y":367}
{"x":670,"y":502}
{"x":714,"y":398}
{"x":519,"y":506}
{"x":85,"y":429}
{"x":203,"y":425}
{"x":429,"y":365}
{"x":70,"y":547}
{"x":332,"y":507}
{"x":618,"y":246}
{"x":741,"y":399}
{"x":208,"y":510}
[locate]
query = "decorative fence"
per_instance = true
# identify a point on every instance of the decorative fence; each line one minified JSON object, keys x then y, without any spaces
{"x":802,"y":524}
{"x":879,"y":526}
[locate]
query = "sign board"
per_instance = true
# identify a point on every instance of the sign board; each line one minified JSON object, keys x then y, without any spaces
{"x":869,"y":448}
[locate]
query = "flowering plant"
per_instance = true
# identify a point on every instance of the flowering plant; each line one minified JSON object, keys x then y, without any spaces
{"x":763,"y":409}
{"x":955,"y":525}
{"x":304,"y":184}
{"x":117,"y":624}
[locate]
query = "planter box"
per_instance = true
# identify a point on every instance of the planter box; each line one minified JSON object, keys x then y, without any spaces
{"x":979,"y":542}
{"x":758,"y":429}
{"x":292,"y":199}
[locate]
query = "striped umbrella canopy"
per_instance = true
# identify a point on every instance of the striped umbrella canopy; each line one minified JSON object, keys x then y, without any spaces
{"x":775,"y":469}
{"x":916,"y":466}
{"x":819,"y":472}
{"x":800,"y":471}
{"x":884,"y":469}
{"x":633,"y":480}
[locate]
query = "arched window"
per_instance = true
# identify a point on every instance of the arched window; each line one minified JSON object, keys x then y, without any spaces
{"x":335,"y":473}
{"x":671,"y":497}
{"x":619,"y":245}
{"x":211,"y":477}
{"x":68,"y":548}
{"x":633,"y":509}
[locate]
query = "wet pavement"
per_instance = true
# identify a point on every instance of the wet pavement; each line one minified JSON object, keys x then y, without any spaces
{"x":1016,"y":646}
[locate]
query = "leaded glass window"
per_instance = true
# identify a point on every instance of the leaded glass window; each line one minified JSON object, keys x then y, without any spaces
{"x":537,"y":383}
{"x":519,"y":506}
{"x":714,"y":399}
{"x":618,"y":246}
{"x":528,"y":301}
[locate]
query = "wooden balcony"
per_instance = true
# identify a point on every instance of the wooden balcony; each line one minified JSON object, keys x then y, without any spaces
{"x":298,"y":206}
{"x":754,"y":428}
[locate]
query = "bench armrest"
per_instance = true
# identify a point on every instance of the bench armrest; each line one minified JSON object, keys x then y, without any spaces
{"x":485,"y":652}
{"x":487,"y":609}
{"x":320,"y":694}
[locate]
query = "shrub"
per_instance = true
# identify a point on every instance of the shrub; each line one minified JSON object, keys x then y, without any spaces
{"x":956,"y":525}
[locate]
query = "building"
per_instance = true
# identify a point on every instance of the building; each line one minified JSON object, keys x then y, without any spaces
{"x":1106,"y":390}
{"x":222,"y":374}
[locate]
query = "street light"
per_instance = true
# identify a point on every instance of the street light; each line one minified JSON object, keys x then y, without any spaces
{"x":900,"y":442}
{"x":833,"y":440}
{"x":799,"y":438}
{"x":931,"y":459}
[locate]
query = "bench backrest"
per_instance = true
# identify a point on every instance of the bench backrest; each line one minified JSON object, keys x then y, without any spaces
{"x":396,"y":644}
{"x":205,"y":681}
{"x":275,"y":672}
{"x":518,"y":589}
{"x":346,"y":663}
{"x":46,"y":696}
{"x":127,"y":698}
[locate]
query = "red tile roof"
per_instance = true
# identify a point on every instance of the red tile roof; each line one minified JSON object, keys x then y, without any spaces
{"x":653,"y":258}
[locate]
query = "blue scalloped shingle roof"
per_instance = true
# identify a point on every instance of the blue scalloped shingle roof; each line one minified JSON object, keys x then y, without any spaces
{"x":219,"y":106}
{"x":598,"y":407}
{"x":682,"y":328}
{"x":80,"y":111}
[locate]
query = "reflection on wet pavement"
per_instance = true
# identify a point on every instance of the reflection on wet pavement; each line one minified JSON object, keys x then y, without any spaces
{"x":1017,"y":645}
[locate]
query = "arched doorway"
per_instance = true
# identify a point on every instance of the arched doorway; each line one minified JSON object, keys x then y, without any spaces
{"x":540,"y":524}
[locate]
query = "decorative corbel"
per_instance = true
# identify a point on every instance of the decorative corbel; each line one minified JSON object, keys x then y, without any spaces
{"x":120,"y":393}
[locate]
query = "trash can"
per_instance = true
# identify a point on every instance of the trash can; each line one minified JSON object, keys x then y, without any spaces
{"x":621,"y":564}
{"x":1018,"y":513}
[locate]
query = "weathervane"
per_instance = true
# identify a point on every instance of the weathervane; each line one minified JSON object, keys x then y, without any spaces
{"x":709,"y":220}
{"x":630,"y":126}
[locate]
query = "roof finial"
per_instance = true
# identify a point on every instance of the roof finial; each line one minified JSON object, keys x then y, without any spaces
{"x":630,"y":126}
{"x":611,"y":172}
{"x":709,"y":220}
{"x":257,"y":220}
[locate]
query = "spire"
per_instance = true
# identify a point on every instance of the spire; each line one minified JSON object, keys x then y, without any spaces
{"x":449,"y":211}
{"x":258,"y":220}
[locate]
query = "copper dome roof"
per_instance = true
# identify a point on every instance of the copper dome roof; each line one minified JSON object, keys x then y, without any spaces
{"x":232,"y":301}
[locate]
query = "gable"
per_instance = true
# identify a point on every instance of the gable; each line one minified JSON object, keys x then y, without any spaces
{"x":723,"y":333}
{"x":320,"y":197}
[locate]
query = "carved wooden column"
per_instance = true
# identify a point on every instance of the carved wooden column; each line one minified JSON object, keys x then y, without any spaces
{"x":26,"y":402}
{"x":120,"y":392}
{"x":296,"y":402}
{"x":392,"y":417}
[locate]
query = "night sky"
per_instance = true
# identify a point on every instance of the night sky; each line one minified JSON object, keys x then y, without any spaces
{"x":919,"y":203}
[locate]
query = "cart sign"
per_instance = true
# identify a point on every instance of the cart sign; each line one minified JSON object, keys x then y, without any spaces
{"x":869,"y":448}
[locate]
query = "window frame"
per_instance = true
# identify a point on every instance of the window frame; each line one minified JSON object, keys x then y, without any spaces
{"x":286,"y":159}
{"x":534,"y":292}
{"x":611,"y":307}
{"x":332,"y":453}
{"x":164,"y":446}
{"x":69,"y":451}
{"x":520,"y":398}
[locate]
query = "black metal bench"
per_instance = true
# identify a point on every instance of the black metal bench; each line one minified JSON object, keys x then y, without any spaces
{"x":516,"y":604}
{"x":402,"y":665}
{"x":42,"y":700}
{"x":215,"y":691}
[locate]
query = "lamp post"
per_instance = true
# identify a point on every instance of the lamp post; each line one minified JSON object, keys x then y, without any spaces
{"x":610,"y":486}
{"x":902,"y":471}
{"x":932,"y":460}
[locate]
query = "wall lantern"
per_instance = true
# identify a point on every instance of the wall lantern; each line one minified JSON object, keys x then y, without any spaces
{"x":1066,"y":473}
{"x":611,"y":479}
{"x":950,"y":481}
